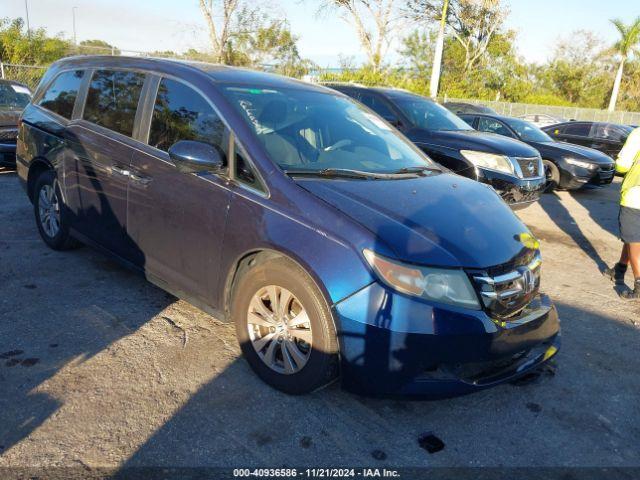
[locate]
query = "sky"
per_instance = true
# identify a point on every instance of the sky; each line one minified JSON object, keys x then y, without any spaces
{"x":148,"y":25}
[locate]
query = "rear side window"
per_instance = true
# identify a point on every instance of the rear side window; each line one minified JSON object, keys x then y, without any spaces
{"x":468,"y":118}
{"x":181,"y":113}
{"x":61,"y":95}
{"x":578,"y":129}
{"x":112,"y":99}
{"x":378,"y":106}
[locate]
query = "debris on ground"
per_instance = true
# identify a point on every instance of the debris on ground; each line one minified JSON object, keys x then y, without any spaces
{"x":430,"y":442}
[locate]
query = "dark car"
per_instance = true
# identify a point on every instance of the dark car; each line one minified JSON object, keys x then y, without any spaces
{"x":566,"y":166}
{"x":609,"y":138}
{"x":14,"y":97}
{"x":333,"y":243}
{"x":511,"y":167}
{"x":460,"y":107}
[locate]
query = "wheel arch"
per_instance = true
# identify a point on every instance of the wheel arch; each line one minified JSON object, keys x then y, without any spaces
{"x":260,"y":255}
{"x":246,"y":260}
{"x":37,"y":166}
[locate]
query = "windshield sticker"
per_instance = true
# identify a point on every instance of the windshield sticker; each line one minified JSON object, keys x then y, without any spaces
{"x":376,"y":121}
{"x":21,"y":89}
{"x":250,"y":111}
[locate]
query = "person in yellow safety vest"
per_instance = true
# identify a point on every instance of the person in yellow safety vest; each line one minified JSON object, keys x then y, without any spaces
{"x":628,"y":163}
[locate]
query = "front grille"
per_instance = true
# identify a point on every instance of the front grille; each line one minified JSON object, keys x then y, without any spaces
{"x":505,"y":294}
{"x":605,"y":175}
{"x":8,"y":134}
{"x":529,"y":167}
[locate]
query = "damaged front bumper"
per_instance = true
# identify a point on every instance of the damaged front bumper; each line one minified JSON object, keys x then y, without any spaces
{"x":517,"y":192}
{"x":392,"y":344}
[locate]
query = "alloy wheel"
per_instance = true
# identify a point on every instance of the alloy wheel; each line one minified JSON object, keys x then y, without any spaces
{"x":279,"y":329}
{"x":49,"y":210}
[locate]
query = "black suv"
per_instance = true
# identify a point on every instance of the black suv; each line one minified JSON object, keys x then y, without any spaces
{"x":609,"y":138}
{"x":14,"y":97}
{"x":566,"y":166}
{"x":511,"y":167}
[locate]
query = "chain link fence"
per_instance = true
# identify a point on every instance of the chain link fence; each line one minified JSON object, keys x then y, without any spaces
{"x":30,"y":75}
{"x":564,"y":113}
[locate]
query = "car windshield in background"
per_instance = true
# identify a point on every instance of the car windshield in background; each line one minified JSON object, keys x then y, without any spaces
{"x":427,"y":114}
{"x":528,"y":132}
{"x":311,"y":131}
{"x":13,"y":97}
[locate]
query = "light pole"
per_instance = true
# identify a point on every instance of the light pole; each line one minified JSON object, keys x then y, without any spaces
{"x":73,"y":14}
{"x":437,"y":57}
{"x":26,"y":7}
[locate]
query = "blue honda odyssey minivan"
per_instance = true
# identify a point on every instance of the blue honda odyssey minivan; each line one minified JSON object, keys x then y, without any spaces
{"x":336,"y":247}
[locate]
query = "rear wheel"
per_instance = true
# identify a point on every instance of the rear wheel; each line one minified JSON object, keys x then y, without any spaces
{"x":552,"y":175}
{"x":284,"y":327}
{"x":51,"y":216}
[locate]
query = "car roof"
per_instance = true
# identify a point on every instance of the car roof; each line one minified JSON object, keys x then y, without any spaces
{"x":459,"y":103}
{"x":488,"y":115}
{"x":219,"y":73}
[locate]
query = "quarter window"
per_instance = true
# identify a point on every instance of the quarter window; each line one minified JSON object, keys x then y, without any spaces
{"x":245,"y":172}
{"x":61,"y":94}
{"x":607,"y":131}
{"x":112,"y":99}
{"x":181,"y":113}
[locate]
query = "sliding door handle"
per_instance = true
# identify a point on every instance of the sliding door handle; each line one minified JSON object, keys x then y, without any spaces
{"x":141,"y":179}
{"x":120,"y":171}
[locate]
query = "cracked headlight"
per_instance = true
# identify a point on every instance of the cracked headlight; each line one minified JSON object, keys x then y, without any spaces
{"x":490,"y":161}
{"x":437,"y":284}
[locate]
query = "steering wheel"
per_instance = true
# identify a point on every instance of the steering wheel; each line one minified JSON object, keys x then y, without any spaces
{"x":338,"y":144}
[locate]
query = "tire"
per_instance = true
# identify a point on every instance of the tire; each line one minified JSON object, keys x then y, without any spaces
{"x":310,"y":365}
{"x":51,"y":214}
{"x":553,"y":176}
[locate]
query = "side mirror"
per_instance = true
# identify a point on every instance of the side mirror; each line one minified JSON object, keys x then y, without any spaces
{"x":190,"y":156}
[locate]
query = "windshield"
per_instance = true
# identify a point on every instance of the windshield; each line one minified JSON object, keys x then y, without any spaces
{"x":13,"y":97}
{"x":528,"y":132}
{"x":428,"y":115}
{"x":314,"y":131}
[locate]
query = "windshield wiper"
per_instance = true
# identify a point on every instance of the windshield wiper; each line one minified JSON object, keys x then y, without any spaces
{"x":340,"y":172}
{"x":417,"y":170}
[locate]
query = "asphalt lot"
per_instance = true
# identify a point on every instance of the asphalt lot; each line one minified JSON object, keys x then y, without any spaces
{"x":98,"y":368}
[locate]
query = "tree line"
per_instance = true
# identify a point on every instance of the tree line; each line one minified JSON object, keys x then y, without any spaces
{"x":457,"y":48}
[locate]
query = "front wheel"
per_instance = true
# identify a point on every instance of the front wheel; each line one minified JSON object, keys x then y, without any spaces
{"x":284,"y":327}
{"x":51,"y":217}
{"x":552,"y":174}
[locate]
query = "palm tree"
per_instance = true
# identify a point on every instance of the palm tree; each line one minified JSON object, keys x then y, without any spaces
{"x":628,"y":44}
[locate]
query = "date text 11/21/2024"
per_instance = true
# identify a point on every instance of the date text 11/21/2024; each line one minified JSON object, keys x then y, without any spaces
{"x":316,"y":473}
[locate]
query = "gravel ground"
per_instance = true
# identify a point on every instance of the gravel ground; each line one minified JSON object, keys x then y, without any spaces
{"x":98,"y":368}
